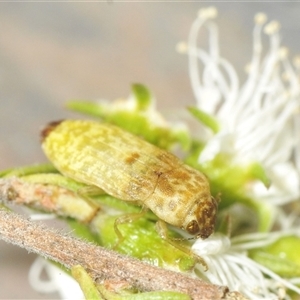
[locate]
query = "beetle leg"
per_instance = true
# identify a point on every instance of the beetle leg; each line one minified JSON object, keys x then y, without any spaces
{"x":162,"y":230}
{"x":123,"y":219}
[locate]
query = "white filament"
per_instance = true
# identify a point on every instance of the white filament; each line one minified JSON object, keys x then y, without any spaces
{"x":260,"y":118}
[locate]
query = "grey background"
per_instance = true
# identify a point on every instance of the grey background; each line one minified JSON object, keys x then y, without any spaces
{"x":52,"y":52}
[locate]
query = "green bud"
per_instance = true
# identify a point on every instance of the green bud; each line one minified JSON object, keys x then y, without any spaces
{"x":139,"y":118}
{"x":205,"y":119}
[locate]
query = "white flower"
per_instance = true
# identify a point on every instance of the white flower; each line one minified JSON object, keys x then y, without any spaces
{"x":258,"y":122}
{"x":257,"y":119}
{"x":58,"y":281}
{"x":229,"y":265}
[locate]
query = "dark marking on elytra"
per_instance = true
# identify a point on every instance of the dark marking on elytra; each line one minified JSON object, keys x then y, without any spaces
{"x":132,"y":158}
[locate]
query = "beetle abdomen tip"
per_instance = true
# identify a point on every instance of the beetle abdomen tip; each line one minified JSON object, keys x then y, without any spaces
{"x":49,"y":127}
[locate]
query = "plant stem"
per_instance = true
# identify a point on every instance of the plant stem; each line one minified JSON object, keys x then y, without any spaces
{"x":102,"y":264}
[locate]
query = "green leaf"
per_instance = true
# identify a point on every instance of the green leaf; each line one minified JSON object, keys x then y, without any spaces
{"x":120,"y":205}
{"x":55,"y":179}
{"x":84,"y":231}
{"x":257,"y":171}
{"x":157,"y":295}
{"x":205,"y":119}
{"x":282,"y":257}
{"x":86,"y":283}
{"x":265,"y":213}
{"x":141,"y":240}
{"x":87,"y":107}
{"x":28,"y":170}
{"x":142,"y":95}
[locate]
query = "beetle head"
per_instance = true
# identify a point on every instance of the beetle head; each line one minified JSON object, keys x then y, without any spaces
{"x":202,"y":218}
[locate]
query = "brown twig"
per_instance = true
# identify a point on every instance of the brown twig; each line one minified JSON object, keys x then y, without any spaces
{"x":102,"y":264}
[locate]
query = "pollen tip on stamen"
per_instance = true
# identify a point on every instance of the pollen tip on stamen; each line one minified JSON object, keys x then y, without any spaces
{"x":182,"y":47}
{"x":296,"y":111}
{"x":208,"y":13}
{"x":285,"y":76}
{"x":260,"y":18}
{"x":296,"y":61}
{"x":248,"y":68}
{"x":283,"y":52}
{"x":272,"y":27}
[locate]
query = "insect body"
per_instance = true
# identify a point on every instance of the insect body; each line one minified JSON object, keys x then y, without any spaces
{"x":131,"y":169}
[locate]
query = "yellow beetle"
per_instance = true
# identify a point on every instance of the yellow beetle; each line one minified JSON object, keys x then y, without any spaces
{"x":131,"y":169}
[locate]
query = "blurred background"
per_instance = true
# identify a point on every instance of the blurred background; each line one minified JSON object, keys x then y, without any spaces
{"x":54,"y":52}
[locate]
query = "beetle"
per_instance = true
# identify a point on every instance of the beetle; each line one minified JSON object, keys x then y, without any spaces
{"x":131,"y":169}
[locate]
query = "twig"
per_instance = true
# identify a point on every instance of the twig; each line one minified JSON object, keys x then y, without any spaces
{"x":102,"y":264}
